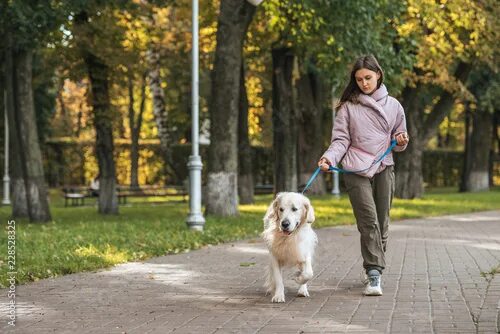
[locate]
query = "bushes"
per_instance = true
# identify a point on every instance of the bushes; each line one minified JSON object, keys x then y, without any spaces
{"x":441,"y":168}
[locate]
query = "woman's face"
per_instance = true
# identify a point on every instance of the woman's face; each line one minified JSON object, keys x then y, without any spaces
{"x":366,"y":80}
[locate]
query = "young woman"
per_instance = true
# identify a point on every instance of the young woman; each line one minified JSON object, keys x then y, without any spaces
{"x":366,"y":121}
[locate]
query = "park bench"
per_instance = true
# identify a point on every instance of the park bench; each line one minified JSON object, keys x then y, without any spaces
{"x":75,"y":195}
{"x":261,"y":189}
{"x":124,"y":192}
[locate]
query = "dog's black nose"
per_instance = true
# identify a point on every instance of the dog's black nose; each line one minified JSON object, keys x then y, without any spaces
{"x":285,"y":223}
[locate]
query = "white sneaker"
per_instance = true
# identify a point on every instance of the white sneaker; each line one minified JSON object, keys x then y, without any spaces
{"x":363,"y":276}
{"x":373,"y":287}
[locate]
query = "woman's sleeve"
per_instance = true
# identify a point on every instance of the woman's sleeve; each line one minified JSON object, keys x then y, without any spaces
{"x":399,"y":127}
{"x":340,"y":137}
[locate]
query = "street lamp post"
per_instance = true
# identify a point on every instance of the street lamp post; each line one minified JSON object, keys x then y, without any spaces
{"x":335,"y":188}
{"x":6,"y":179}
{"x":195,"y":220}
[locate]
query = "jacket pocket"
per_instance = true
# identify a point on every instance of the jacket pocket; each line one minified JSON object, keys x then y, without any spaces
{"x":356,"y":159}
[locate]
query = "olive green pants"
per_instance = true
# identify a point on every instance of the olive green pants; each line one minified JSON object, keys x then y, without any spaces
{"x":371,"y":200}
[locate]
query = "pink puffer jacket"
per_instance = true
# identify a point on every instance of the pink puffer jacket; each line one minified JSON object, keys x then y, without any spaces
{"x":362,"y":132}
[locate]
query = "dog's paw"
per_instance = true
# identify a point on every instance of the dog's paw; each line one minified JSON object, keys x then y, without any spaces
{"x":269,"y":291}
{"x":303,"y":291}
{"x":278,"y":298}
{"x":302,"y":277}
{"x":300,"y":280}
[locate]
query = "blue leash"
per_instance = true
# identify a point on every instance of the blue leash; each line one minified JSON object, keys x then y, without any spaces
{"x":340,"y":170}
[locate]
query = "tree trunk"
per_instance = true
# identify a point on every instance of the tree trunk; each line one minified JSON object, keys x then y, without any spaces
{"x":135,"y":124}
{"x":222,"y":194}
{"x":98,"y":73}
{"x":245,"y":177}
{"x":153,"y":58}
{"x":64,"y":114}
{"x":467,"y":151}
{"x":495,"y":143}
{"x":18,"y":189}
{"x":477,"y":174}
{"x":421,"y":128}
{"x":27,"y":136}
{"x":284,"y":122}
{"x":444,"y":105}
{"x":310,"y":96}
{"x":81,"y":153}
{"x":159,"y":110}
{"x":409,"y":177}
{"x":3,"y":104}
{"x":134,"y":151}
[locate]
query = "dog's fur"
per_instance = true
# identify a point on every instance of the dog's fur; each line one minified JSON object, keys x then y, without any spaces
{"x":289,"y":245}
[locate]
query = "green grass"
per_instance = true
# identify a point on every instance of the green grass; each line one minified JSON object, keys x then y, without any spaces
{"x":489,"y":275}
{"x":79,"y":239}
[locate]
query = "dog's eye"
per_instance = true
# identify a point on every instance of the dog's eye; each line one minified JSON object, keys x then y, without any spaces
{"x":294,"y":209}
{"x":281,"y":209}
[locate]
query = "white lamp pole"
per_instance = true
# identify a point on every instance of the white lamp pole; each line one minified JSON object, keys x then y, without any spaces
{"x":6,"y":179}
{"x":195,"y":220}
{"x":335,"y":188}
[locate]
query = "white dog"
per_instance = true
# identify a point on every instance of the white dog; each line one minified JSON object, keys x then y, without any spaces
{"x":291,"y":242}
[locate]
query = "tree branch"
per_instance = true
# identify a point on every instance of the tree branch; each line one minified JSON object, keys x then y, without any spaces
{"x":445,"y":104}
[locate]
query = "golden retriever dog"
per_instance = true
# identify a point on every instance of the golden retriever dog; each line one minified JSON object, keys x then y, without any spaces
{"x":291,"y":242}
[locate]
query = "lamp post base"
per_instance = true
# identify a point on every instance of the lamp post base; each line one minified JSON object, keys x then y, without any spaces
{"x":6,"y":190}
{"x":195,"y":220}
{"x":336,"y":188}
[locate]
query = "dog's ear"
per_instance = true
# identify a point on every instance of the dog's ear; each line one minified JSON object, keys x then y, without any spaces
{"x":309,"y":212}
{"x":272,"y":211}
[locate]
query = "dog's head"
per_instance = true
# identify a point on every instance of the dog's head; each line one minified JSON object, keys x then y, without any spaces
{"x":288,"y":211}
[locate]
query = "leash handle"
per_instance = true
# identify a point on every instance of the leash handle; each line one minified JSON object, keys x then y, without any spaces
{"x":340,"y":170}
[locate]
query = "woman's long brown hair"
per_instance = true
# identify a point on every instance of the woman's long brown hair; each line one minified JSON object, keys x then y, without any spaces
{"x":352,"y":91}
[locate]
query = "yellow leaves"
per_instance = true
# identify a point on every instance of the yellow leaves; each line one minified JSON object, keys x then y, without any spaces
{"x":72,"y":111}
{"x":208,"y":38}
{"x":459,"y":48}
{"x":273,"y":20}
{"x":330,"y":40}
{"x":431,"y":24}
{"x":446,"y":31}
{"x":164,"y":17}
{"x":252,"y":48}
{"x":413,"y":11}
{"x":135,"y":33}
{"x":256,"y":105}
{"x":406,"y":29}
{"x":109,"y":254}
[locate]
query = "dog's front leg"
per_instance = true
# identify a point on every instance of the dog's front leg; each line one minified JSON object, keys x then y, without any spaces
{"x":303,"y":292}
{"x":303,"y":276}
{"x":279,"y":291}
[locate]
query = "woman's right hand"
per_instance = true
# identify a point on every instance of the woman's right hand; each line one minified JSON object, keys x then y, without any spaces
{"x":324,"y":164}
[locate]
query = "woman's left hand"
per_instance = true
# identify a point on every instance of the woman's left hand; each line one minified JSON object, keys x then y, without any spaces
{"x":402,"y":138}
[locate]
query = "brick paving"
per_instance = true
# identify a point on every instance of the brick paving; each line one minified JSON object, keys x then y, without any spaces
{"x":433,"y":284}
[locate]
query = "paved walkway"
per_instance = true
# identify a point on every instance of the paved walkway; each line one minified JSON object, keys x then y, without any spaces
{"x":432,"y":285}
